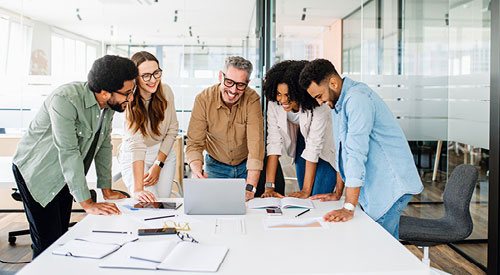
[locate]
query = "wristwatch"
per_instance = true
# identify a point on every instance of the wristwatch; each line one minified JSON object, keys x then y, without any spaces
{"x":349,"y":206}
{"x":250,"y":188}
{"x":159,"y":163}
{"x":269,"y":185}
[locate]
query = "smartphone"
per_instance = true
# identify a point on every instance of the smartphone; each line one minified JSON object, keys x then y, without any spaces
{"x":274,"y":212}
{"x":157,"y":231}
{"x":156,"y":205}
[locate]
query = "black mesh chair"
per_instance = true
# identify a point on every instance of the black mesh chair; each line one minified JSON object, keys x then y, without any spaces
{"x":17,"y":197}
{"x":455,"y":225}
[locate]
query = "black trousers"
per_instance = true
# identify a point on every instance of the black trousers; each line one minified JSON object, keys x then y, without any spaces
{"x":47,"y":223}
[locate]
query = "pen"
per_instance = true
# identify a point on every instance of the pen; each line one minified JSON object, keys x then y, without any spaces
{"x":178,"y":206}
{"x":115,"y":232}
{"x":302,"y":213}
{"x":161,"y":217}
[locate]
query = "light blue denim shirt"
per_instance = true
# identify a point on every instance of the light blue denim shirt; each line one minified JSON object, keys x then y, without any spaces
{"x":372,"y":151}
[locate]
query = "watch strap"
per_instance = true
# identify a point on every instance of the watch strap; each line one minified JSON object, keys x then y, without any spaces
{"x":250,"y":188}
{"x":349,"y":206}
{"x":269,"y":185}
{"x":159,"y":163}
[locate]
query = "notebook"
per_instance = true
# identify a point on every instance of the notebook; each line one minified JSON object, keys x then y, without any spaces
{"x":167,"y":255}
{"x":94,"y":245}
{"x":286,"y":202}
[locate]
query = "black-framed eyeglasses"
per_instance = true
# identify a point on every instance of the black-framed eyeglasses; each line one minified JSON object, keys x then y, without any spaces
{"x":241,"y":86}
{"x":156,"y":74}
{"x":186,"y":237}
{"x":129,"y":93}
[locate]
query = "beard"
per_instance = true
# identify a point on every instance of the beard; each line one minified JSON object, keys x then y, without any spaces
{"x":117,"y":106}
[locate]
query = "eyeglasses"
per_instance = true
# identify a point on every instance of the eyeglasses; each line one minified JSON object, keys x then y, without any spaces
{"x":156,"y":74}
{"x":230,"y":83}
{"x":186,"y":237}
{"x":179,"y":226}
{"x":129,"y":93}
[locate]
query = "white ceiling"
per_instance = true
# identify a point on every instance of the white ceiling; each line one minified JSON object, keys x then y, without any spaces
{"x":220,"y":22}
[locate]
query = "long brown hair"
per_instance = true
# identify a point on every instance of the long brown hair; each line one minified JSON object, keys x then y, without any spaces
{"x":137,"y":115}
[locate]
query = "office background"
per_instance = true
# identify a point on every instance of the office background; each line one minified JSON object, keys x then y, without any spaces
{"x":429,"y":60}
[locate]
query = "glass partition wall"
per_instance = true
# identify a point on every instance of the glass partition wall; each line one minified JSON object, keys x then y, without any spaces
{"x":429,"y":60}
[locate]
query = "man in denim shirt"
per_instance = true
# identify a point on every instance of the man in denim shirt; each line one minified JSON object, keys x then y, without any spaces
{"x":373,"y":156}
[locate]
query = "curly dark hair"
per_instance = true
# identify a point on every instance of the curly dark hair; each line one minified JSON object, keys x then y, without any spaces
{"x":288,"y":72}
{"x":109,"y":72}
{"x":316,"y":71}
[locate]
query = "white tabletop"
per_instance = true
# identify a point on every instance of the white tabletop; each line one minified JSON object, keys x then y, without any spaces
{"x":359,"y":246}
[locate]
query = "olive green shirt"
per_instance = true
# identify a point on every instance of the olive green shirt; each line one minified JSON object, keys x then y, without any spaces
{"x":51,"y":152}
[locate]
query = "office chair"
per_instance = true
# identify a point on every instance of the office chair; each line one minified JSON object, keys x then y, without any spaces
{"x":455,"y":225}
{"x":12,"y":236}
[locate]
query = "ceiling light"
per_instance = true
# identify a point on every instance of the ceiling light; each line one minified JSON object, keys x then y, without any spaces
{"x":304,"y":14}
{"x":190,"y":32}
{"x":78,"y":14}
{"x":175,"y":16}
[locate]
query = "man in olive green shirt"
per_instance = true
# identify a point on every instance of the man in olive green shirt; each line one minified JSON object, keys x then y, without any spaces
{"x":72,"y":128}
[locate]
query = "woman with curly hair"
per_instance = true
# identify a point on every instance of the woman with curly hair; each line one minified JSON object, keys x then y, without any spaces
{"x":298,"y":127}
{"x":147,"y":158}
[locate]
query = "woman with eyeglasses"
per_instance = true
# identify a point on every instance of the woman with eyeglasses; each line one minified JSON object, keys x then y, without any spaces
{"x":299,"y":128}
{"x":147,"y":158}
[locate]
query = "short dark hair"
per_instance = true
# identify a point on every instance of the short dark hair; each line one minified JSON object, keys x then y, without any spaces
{"x":288,"y":72}
{"x":317,"y":71}
{"x":109,"y":72}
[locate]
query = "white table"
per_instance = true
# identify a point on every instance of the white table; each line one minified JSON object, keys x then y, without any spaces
{"x":359,"y":246}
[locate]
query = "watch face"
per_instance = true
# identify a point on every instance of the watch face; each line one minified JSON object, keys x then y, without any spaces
{"x":249,"y":187}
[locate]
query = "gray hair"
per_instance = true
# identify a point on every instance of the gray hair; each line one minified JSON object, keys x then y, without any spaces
{"x":239,"y":63}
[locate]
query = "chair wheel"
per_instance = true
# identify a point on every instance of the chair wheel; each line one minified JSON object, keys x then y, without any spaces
{"x":12,"y":240}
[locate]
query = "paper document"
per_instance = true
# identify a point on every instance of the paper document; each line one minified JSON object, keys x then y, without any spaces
{"x":231,"y":226}
{"x":291,"y":224}
{"x":286,"y":202}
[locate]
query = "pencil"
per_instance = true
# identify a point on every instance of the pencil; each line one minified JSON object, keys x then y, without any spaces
{"x":161,"y":217}
{"x":302,"y":213}
{"x":115,"y":232}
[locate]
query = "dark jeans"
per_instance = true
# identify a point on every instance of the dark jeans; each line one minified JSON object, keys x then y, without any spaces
{"x":47,"y":223}
{"x":326,"y":177}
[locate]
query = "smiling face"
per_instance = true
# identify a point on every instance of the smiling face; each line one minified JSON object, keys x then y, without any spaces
{"x":148,"y":69}
{"x":283,"y":97}
{"x":328,"y":91}
{"x":236,"y":78}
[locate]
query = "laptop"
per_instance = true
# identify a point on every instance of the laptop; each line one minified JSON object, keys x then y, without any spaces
{"x":214,"y":196}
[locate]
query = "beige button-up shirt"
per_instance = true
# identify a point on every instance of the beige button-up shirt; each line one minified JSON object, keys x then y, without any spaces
{"x":228,"y":135}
